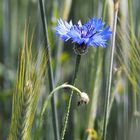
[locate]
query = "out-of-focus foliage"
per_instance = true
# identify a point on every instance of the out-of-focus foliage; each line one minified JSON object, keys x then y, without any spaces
{"x":86,"y":122}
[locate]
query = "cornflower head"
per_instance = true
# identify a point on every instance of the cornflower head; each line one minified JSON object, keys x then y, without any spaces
{"x":92,"y":33}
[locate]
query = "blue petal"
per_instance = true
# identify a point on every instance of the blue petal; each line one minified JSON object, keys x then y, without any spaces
{"x":98,"y":40}
{"x":75,"y":35}
{"x":92,"y":33}
{"x":97,"y":24}
{"x":63,"y":28}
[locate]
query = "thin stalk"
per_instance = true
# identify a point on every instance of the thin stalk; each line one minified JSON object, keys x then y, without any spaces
{"x":55,"y":91}
{"x":134,"y":97}
{"x":95,"y":97}
{"x":125,"y":51}
{"x":103,"y":76}
{"x":108,"y":90}
{"x":104,"y":9}
{"x":93,"y":80}
{"x":78,"y":58}
{"x":99,"y":53}
{"x":82,"y":95}
{"x":50,"y":74}
{"x":130,"y":21}
{"x":66,"y":8}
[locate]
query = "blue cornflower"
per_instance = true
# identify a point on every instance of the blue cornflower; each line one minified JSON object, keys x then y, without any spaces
{"x":92,"y":33}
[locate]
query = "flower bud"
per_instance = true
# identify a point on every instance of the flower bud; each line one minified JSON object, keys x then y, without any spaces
{"x":80,"y":49}
{"x":84,"y":99}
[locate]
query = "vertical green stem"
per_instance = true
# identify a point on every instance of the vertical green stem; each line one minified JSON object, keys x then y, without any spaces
{"x":134,"y":97}
{"x":78,"y":58}
{"x":104,"y":9}
{"x":50,"y":74}
{"x":108,"y":90}
{"x":130,"y":21}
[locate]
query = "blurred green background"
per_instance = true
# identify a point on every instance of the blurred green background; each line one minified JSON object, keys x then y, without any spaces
{"x":124,"y":121}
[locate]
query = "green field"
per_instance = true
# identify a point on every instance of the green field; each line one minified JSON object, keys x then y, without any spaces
{"x":49,"y":91}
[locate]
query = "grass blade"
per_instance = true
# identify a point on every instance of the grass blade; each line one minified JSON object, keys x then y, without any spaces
{"x":108,"y":90}
{"x":50,"y":74}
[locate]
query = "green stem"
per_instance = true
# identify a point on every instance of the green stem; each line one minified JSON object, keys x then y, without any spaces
{"x":134,"y":97}
{"x":104,"y":9}
{"x":108,"y":90}
{"x":50,"y":74}
{"x":130,"y":21}
{"x":50,"y":96}
{"x":78,"y":58}
{"x":55,"y":90}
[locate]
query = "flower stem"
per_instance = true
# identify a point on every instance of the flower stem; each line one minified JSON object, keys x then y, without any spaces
{"x":50,"y":74}
{"x":78,"y":92}
{"x":78,"y":58}
{"x":108,"y":89}
{"x":55,"y":91}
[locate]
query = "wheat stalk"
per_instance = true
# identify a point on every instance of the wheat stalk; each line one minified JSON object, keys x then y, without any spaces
{"x":28,"y":87}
